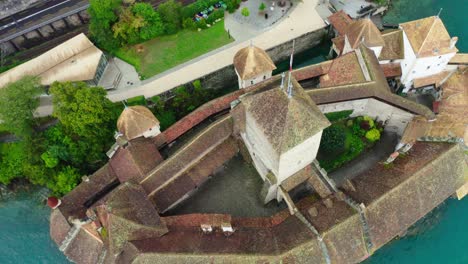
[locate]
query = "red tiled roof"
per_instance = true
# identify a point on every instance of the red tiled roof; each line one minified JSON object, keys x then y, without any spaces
{"x":340,"y":21}
{"x":391,"y":69}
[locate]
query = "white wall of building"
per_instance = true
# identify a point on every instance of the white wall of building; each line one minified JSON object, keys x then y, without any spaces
{"x":377,"y":50}
{"x":249,"y":82}
{"x":259,"y":145}
{"x":298,"y":157}
{"x":413,"y":67}
{"x":395,"y":118}
{"x":152,"y":132}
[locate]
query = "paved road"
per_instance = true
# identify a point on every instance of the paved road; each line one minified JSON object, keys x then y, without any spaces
{"x":378,"y":153}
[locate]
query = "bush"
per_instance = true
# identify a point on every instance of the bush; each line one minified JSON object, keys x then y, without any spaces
{"x":202,"y":24}
{"x":232,"y":5}
{"x":262,"y":6}
{"x":335,"y":116}
{"x":215,"y":15}
{"x":333,"y":140}
{"x":356,"y":128}
{"x":373,"y":135}
{"x":170,"y":13}
{"x":370,"y":121}
{"x":188,"y":23}
{"x":190,"y":10}
{"x":137,"y":100}
{"x":245,"y":12}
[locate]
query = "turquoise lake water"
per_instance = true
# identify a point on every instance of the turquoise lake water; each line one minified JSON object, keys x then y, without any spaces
{"x":441,"y":237}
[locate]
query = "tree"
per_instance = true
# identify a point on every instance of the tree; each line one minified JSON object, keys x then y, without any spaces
{"x":154,"y":25}
{"x":333,"y":140}
{"x":18,"y":101}
{"x":262,"y":6}
{"x":170,"y":13}
{"x":102,"y":17}
{"x":128,"y":27}
{"x":245,"y":12}
{"x":83,"y":110}
{"x":65,"y":180}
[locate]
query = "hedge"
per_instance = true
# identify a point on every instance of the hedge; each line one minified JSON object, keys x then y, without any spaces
{"x":335,"y":116}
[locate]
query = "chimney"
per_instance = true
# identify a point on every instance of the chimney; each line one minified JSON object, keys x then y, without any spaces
{"x":453,"y":41}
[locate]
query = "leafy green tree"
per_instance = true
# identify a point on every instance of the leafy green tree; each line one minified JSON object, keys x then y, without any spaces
{"x":102,"y":17}
{"x":12,"y":158}
{"x":65,"y":180}
{"x":18,"y":101}
{"x":245,"y":12}
{"x":333,"y":140}
{"x":262,"y":6}
{"x":83,"y":110}
{"x":87,"y":121}
{"x":170,"y":13}
{"x":153,"y":26}
{"x":128,"y":27}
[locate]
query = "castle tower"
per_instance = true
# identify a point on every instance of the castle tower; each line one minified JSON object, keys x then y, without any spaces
{"x":137,"y":121}
{"x":363,"y":31}
{"x":281,"y":128}
{"x":252,"y":65}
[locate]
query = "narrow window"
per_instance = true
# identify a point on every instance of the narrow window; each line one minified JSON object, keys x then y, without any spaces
{"x":264,"y":77}
{"x":251,"y":82}
{"x":428,"y":67}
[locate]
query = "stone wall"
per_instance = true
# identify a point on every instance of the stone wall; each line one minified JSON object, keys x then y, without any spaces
{"x":227,"y":78}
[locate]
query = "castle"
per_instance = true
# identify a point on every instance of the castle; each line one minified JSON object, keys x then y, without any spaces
{"x":120,"y":213}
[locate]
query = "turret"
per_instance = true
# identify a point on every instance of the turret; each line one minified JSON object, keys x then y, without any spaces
{"x":252,"y":65}
{"x":137,"y":121}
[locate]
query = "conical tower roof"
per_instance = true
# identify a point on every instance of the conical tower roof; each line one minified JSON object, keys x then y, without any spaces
{"x":364,"y":30}
{"x":252,"y":61}
{"x":286,"y":122}
{"x":135,"y":120}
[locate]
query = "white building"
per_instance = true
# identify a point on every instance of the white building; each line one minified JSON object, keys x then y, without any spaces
{"x":282,"y":133}
{"x":252,"y":65}
{"x":427,"y":47}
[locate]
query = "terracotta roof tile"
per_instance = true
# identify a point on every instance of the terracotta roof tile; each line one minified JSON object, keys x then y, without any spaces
{"x":364,"y":30}
{"x":340,"y":21}
{"x":428,"y":36}
{"x":286,"y":122}
{"x":345,"y":69}
{"x":252,"y":61}
{"x":135,"y":120}
{"x":393,"y":48}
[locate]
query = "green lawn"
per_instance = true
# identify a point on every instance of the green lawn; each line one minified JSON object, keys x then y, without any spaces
{"x":162,"y":53}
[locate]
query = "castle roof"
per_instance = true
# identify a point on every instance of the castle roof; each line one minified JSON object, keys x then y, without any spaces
{"x":364,"y":30}
{"x":393,"y":48}
{"x":340,"y":21}
{"x":428,"y":36}
{"x":135,"y":120}
{"x":127,"y":214}
{"x":252,"y":61}
{"x":286,"y":122}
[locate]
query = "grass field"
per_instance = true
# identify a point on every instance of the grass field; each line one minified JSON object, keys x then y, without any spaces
{"x":162,"y":53}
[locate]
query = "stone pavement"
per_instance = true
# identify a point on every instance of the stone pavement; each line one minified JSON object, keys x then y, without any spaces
{"x":242,"y":28}
{"x":301,"y":20}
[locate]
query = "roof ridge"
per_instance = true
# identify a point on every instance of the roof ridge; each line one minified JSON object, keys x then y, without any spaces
{"x":428,"y":33}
